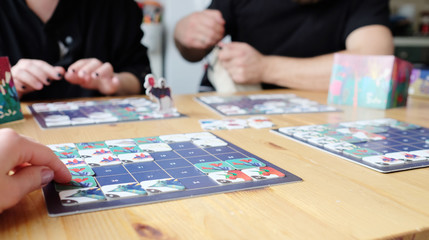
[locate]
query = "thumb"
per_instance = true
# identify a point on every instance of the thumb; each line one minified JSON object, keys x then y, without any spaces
{"x":27,"y":180}
{"x":109,"y":86}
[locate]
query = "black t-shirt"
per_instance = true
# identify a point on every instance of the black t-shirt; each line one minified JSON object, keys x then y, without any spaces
{"x":286,"y":28}
{"x":108,"y":30}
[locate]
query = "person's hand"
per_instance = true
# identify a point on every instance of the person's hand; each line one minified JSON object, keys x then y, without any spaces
{"x":200,"y":30}
{"x":30,"y":75}
{"x":244,"y":63}
{"x":25,"y":166}
{"x":91,"y":73}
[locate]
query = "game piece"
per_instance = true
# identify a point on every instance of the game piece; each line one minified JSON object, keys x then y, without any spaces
{"x":384,"y":145}
{"x":10,"y":108}
{"x":179,"y":166}
{"x":262,"y":104}
{"x":80,"y":196}
{"x":158,"y":91}
{"x":220,"y":78}
{"x":123,"y":191}
{"x":227,"y":177}
{"x":260,"y":122}
{"x":235,"y":123}
{"x":79,"y":113}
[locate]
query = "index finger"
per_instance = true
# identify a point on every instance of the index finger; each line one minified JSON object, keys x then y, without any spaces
{"x":22,"y":150}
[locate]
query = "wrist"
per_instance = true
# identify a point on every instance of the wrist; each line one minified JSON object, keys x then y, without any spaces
{"x":266,"y":69}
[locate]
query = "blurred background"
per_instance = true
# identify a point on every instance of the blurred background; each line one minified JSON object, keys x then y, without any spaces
{"x":409,"y":21}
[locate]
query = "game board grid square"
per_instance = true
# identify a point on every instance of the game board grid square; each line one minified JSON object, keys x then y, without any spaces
{"x":202,"y":159}
{"x":192,"y":152}
{"x":229,"y":156}
{"x":109,"y":170}
{"x":406,"y":140}
{"x":183,"y":172}
{"x":406,"y":148}
{"x":142,"y":167}
{"x":164,"y":155}
{"x":198,"y":182}
{"x":173,"y":163}
{"x":421,"y":145}
{"x":151,"y":175}
{"x":182,"y":145}
{"x":115,"y":179}
{"x":219,"y":150}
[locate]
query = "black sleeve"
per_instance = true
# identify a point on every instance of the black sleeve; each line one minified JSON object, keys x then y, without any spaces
{"x":367,"y":12}
{"x":129,"y":55}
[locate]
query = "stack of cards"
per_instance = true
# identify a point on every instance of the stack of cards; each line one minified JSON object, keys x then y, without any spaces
{"x":234,"y":123}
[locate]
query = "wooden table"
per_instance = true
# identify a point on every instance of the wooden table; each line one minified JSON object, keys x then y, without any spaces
{"x":337,"y":199}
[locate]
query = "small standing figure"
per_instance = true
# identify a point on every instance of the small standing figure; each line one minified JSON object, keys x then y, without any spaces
{"x":159,"y":92}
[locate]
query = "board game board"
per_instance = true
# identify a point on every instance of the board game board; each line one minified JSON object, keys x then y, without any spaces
{"x":77,"y":113}
{"x":263,"y":104}
{"x":124,"y":172}
{"x":385,"y":145}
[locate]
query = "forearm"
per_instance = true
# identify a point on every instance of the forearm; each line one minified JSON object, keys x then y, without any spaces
{"x":314,"y":73}
{"x":191,"y":54}
{"x":298,"y":73}
{"x":128,"y":84}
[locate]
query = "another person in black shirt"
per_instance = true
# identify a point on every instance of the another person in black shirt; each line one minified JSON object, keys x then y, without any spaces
{"x":73,"y":48}
{"x":285,"y":43}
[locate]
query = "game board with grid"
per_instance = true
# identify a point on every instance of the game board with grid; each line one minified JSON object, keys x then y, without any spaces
{"x":385,"y":145}
{"x":263,"y":104}
{"x":78,"y":113}
{"x":124,"y":172}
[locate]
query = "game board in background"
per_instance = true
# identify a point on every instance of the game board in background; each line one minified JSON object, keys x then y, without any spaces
{"x":385,"y":145}
{"x":124,"y":172}
{"x":263,"y":104}
{"x":10,"y":108}
{"x":369,"y":81}
{"x":62,"y":114}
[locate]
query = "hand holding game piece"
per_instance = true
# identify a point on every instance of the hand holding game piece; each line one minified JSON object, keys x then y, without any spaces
{"x":30,"y":75}
{"x":91,"y":73}
{"x":158,"y":91}
{"x":244,"y":63}
{"x":25,"y":166}
{"x":200,"y":30}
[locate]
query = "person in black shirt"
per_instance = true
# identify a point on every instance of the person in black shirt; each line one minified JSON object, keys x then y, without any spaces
{"x":285,"y":43}
{"x":73,"y":48}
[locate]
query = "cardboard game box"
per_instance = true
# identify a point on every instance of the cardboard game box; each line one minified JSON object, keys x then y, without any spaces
{"x":373,"y":81}
{"x":10,"y":108}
